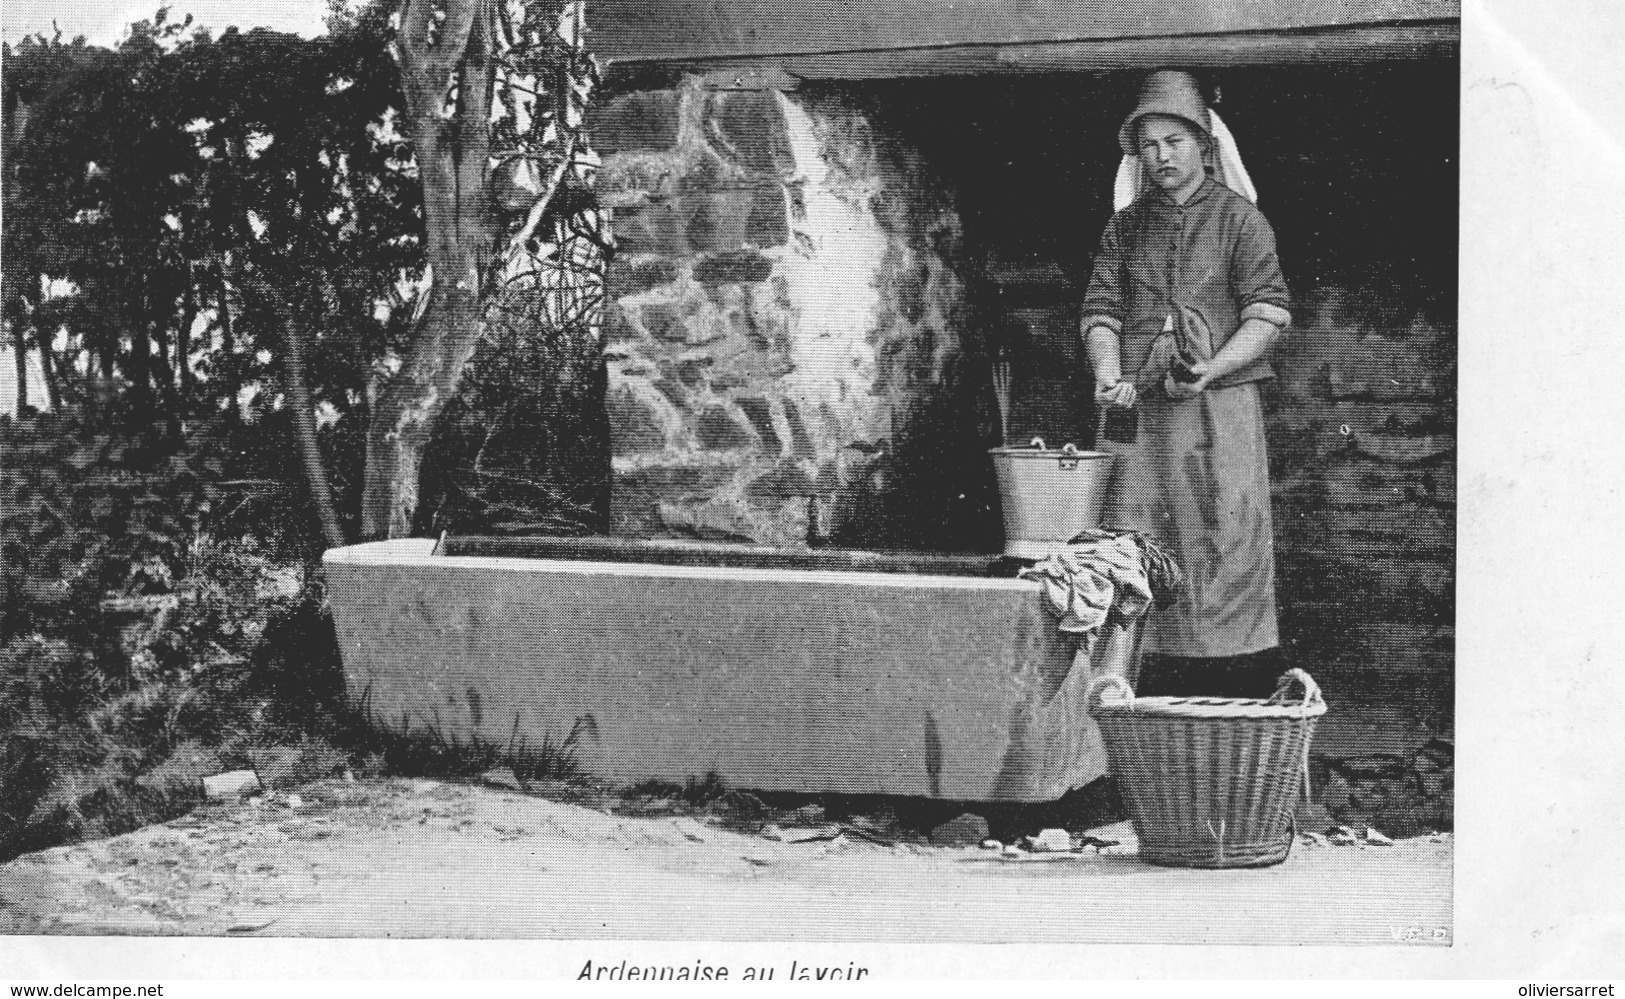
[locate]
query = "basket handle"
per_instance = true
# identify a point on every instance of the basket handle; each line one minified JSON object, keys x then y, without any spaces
{"x":1100,"y":683}
{"x":1311,"y":697}
{"x":1311,"y":690}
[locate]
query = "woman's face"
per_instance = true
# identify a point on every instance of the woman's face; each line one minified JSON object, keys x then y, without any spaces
{"x":1171,"y":153}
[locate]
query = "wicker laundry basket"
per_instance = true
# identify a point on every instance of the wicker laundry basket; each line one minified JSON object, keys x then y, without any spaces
{"x":1209,"y":781}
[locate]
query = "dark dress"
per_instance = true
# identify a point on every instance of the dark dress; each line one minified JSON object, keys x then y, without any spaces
{"x":1196,"y":478}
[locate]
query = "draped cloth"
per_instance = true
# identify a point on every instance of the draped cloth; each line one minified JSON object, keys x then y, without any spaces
{"x":1105,"y":577}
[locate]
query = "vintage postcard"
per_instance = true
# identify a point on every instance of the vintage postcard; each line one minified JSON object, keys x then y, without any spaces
{"x":624,"y":490}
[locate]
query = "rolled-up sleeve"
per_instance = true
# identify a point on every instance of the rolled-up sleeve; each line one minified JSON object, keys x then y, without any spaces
{"x":1103,"y":301}
{"x":1256,"y":280}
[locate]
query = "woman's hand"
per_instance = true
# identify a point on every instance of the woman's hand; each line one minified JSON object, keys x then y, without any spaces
{"x":1120,"y":394}
{"x":1179,"y":391}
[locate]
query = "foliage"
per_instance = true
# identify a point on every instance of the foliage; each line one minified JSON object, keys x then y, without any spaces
{"x":85,"y":515}
{"x":198,"y":226}
{"x":99,"y":736}
{"x":180,"y":209}
{"x":217,"y":246}
{"x":135,"y":643}
{"x":146,"y":643}
{"x":494,"y":96}
{"x":523,"y":448}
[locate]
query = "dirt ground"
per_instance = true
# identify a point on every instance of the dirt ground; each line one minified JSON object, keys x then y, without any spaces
{"x":419,"y":858}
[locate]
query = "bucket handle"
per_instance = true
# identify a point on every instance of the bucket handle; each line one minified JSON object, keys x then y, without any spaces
{"x":1311,"y":690}
{"x":1070,"y":455}
{"x":1098,"y":687}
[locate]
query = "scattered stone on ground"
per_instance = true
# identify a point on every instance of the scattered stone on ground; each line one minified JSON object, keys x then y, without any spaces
{"x":253,"y":867}
{"x":1342,"y":836}
{"x":183,"y":771}
{"x":691,"y":830}
{"x":1052,"y":841}
{"x":967,"y":829}
{"x":881,"y":823}
{"x":502,"y":777}
{"x":992,"y":844}
{"x":1404,"y":796}
{"x":807,"y":815}
{"x":1313,"y":815}
{"x":740,"y":810}
{"x":1376,"y":838}
{"x":818,"y":834}
{"x":232,"y":784}
{"x":859,"y":831}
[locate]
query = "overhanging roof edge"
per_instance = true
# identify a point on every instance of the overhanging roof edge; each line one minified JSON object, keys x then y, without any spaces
{"x":1206,"y":48}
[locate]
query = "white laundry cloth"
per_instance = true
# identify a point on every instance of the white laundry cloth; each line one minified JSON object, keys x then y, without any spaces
{"x":1084,"y":583}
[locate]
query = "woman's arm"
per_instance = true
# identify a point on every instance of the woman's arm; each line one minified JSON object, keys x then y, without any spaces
{"x":1250,"y":344}
{"x":1106,"y":360}
{"x":1261,"y":293}
{"x":1102,"y":321}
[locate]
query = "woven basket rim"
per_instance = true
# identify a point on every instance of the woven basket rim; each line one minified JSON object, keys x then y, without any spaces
{"x":1212,"y":707}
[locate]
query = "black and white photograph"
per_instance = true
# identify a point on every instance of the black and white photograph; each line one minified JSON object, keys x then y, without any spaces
{"x":809,"y":490}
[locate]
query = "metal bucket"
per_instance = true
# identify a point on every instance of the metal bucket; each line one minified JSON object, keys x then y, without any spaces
{"x":1049,"y":496}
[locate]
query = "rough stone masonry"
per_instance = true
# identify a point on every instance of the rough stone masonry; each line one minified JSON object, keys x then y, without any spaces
{"x":784,"y":322}
{"x":791,"y":358}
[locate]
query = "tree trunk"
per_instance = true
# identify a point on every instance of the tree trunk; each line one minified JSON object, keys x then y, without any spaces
{"x":104,"y":373}
{"x":47,"y":361}
{"x":460,"y":235}
{"x":138,"y":365}
{"x":19,"y":343}
{"x":183,"y":342}
{"x":294,"y":321}
{"x":403,"y":419}
{"x":163,"y":396}
{"x":294,"y":332}
{"x":228,"y":342}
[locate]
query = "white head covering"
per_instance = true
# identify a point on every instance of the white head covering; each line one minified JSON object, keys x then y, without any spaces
{"x":1132,"y":179}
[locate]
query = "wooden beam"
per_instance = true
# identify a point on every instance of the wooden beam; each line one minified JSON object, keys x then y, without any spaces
{"x":753,"y":77}
{"x":1387,"y":43}
{"x":667,"y":30}
{"x":1344,"y":45}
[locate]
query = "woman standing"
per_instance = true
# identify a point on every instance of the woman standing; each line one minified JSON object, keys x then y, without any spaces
{"x":1185,"y":298}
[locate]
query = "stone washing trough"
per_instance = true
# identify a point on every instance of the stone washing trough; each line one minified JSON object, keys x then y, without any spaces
{"x":815,"y":670}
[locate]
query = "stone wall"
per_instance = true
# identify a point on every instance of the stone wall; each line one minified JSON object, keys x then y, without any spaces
{"x":1362,"y":438}
{"x":785,"y":321}
{"x":1362,"y":434}
{"x":790,"y":357}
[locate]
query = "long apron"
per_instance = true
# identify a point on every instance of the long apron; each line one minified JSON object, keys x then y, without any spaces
{"x":1196,"y":481}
